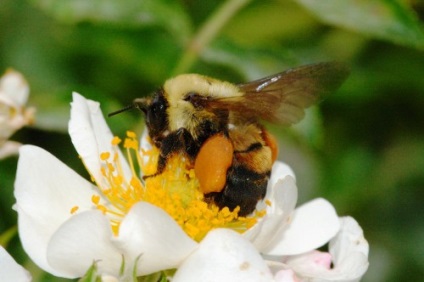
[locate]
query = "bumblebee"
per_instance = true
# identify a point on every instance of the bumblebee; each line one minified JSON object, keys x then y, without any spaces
{"x":217,"y":125}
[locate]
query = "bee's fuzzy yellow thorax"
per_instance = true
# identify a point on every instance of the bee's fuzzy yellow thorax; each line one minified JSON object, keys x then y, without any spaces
{"x":182,"y":112}
{"x":176,"y":88}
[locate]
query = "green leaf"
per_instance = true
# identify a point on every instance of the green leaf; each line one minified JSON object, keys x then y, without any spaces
{"x":91,"y":275}
{"x":269,"y":22}
{"x":252,"y":63}
{"x":8,"y":235}
{"x":384,"y":19}
{"x":154,"y":277}
{"x":129,"y":13}
{"x":402,"y":161}
{"x":122,"y":268}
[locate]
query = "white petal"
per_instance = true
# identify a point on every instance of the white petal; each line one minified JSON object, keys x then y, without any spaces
{"x":312,"y":264}
{"x":279,"y":171}
{"x":15,"y":87}
{"x":144,"y":141}
{"x":145,"y":144}
{"x":150,"y":232}
{"x":10,"y":270}
{"x":45,"y":190}
{"x":109,"y":278}
{"x":9,"y":148}
{"x":285,"y":275}
{"x":91,"y":136}
{"x":313,"y":224}
{"x":283,"y":197}
{"x":82,"y":240}
{"x":349,"y":250}
{"x":224,"y":255}
{"x":349,"y":239}
{"x":35,"y":235}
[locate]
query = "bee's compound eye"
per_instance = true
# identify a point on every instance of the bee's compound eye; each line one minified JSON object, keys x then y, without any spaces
{"x":156,"y":116}
{"x":158,"y":104}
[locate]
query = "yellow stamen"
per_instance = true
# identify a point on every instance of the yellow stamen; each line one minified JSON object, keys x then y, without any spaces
{"x":116,"y":141}
{"x":176,"y":191}
{"x":95,"y":199}
{"x":104,"y":156}
{"x":131,"y":134}
{"x":74,"y":209}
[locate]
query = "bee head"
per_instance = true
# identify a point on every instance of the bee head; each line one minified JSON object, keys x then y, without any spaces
{"x":155,"y":111}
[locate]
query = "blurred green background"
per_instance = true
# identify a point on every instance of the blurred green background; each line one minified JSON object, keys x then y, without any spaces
{"x":362,"y":148}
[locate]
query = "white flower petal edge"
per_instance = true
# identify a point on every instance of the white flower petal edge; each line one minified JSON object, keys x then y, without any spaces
{"x":283,"y":197}
{"x":14,"y":86}
{"x":312,"y":225}
{"x":224,"y":255}
{"x":286,"y":275}
{"x":14,"y":92}
{"x":9,"y":148}
{"x":144,"y":141}
{"x":350,"y":240}
{"x":282,"y":193}
{"x":286,"y":231}
{"x":151,"y":234}
{"x":279,"y":171}
{"x":45,"y":192}
{"x":349,"y":251}
{"x":10,"y":270}
{"x":91,"y":135}
{"x":83,"y":239}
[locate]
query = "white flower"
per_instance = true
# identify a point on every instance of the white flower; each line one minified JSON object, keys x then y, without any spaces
{"x":10,"y":270}
{"x":14,"y":93}
{"x":63,"y":231}
{"x":348,"y":251}
{"x":225,"y":256}
{"x":285,"y":230}
{"x":66,"y":245}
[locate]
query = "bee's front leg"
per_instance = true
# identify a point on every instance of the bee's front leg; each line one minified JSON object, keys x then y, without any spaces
{"x":178,"y":141}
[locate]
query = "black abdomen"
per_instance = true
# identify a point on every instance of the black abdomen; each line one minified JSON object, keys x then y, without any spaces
{"x":244,"y":188}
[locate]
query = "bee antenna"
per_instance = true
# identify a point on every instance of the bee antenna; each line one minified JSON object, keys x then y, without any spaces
{"x":129,"y":107}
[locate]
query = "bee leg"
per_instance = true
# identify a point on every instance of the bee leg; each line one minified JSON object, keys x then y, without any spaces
{"x":177,"y":141}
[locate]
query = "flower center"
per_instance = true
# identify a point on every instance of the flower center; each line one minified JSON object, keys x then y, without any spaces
{"x":176,"y":191}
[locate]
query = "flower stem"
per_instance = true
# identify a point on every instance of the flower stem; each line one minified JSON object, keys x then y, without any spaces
{"x":207,"y":32}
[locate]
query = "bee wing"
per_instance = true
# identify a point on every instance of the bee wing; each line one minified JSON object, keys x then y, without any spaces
{"x":282,"y":98}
